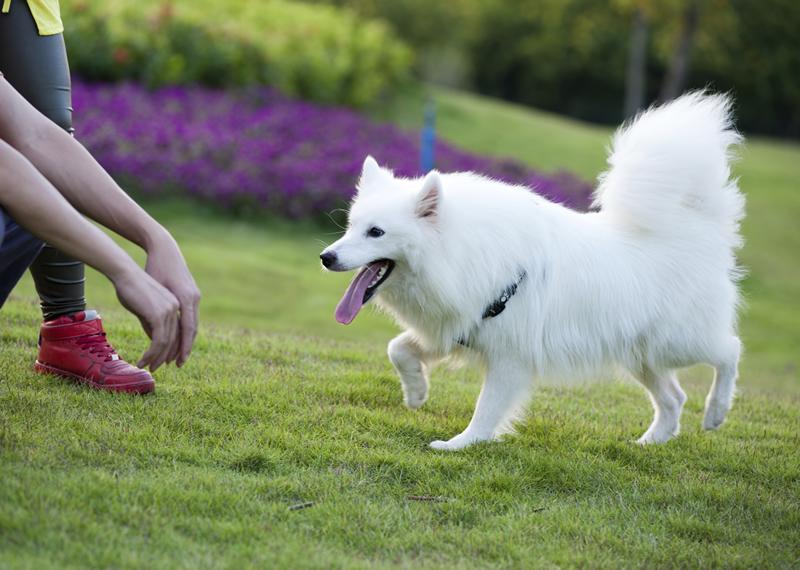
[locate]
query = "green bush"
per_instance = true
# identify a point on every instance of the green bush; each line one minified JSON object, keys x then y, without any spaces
{"x":439,"y":32}
{"x":320,"y":53}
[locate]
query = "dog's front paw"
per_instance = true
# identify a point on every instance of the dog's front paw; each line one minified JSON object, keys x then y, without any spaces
{"x":415,"y":392}
{"x":458,"y":442}
{"x":415,"y":401}
{"x":715,"y":415}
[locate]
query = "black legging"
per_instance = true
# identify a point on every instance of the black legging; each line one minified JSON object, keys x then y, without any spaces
{"x":37,"y":67}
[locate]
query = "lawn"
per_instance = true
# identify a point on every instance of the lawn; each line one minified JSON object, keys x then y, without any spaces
{"x":282,"y":406}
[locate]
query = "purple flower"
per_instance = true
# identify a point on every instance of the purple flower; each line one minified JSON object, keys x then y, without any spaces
{"x":260,"y":149}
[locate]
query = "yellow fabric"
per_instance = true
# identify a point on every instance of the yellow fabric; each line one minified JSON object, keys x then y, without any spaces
{"x":46,"y":13}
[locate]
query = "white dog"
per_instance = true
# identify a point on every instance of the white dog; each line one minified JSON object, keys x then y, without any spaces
{"x":647,"y":282}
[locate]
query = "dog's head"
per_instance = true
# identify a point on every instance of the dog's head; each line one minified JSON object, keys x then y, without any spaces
{"x":389,"y":219}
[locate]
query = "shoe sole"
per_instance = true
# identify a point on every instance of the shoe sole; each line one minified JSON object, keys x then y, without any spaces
{"x":141,"y":387}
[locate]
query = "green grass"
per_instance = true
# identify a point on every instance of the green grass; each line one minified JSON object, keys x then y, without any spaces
{"x":280,"y":405}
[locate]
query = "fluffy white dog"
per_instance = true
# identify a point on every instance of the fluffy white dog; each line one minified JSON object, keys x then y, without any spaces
{"x":536,"y":290}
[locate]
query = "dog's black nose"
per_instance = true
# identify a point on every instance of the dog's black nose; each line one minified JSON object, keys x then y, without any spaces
{"x":328,"y":258}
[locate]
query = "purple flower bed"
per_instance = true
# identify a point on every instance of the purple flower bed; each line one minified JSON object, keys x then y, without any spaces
{"x":263,"y":150}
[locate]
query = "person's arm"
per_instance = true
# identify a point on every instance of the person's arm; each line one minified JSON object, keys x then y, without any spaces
{"x":89,"y":188}
{"x":34,"y":204}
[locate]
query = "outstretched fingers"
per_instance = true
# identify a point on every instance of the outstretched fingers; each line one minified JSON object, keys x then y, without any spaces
{"x":164,"y":337}
{"x":188,"y":326}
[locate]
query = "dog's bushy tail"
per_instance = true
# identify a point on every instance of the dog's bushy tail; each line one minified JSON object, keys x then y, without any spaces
{"x":671,"y":164}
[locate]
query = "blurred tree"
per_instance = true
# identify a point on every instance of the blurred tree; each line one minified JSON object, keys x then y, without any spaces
{"x":639,"y":12}
{"x":675,"y":80}
{"x":568,"y":56}
{"x":752,"y":49}
{"x":584,"y":57}
{"x":637,"y":64}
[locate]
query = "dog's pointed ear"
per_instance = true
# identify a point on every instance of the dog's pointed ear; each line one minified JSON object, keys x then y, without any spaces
{"x":430,"y":197}
{"x":372,"y":175}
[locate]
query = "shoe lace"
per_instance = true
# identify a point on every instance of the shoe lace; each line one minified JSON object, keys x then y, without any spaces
{"x":97,"y":344}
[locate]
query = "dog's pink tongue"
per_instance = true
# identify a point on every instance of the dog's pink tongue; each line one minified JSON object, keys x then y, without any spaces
{"x":353,"y":298}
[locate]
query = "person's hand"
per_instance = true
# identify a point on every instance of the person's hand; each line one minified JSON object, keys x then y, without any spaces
{"x":47,"y":176}
{"x":157,"y":310}
{"x":166,"y":265}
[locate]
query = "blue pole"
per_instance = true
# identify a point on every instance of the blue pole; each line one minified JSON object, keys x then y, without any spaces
{"x":428,"y":138}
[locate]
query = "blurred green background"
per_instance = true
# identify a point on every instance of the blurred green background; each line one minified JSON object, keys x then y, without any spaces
{"x":590,"y":59}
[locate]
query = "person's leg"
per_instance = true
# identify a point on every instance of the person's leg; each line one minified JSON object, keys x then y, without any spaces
{"x":37,"y":67}
{"x":18,"y":249}
{"x":72,"y":343}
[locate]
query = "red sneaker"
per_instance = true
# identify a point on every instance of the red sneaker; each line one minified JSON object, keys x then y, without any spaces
{"x":75,"y":346}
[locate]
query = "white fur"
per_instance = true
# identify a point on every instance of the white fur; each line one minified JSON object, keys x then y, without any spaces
{"x":648,"y":282}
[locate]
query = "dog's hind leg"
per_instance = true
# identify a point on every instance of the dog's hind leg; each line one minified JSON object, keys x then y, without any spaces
{"x":409,"y":359}
{"x":720,"y":398}
{"x":668,"y":399}
{"x":504,"y":395}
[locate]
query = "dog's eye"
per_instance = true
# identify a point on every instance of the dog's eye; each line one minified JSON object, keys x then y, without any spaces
{"x":375,"y":232}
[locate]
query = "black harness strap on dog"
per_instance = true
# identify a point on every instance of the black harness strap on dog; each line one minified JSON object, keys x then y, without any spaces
{"x":498,"y":305}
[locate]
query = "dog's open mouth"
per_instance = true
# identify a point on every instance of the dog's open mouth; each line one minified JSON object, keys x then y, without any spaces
{"x":362,"y":289}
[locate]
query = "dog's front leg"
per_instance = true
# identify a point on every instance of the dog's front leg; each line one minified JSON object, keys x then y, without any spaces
{"x":505,"y":392}
{"x":409,"y":358}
